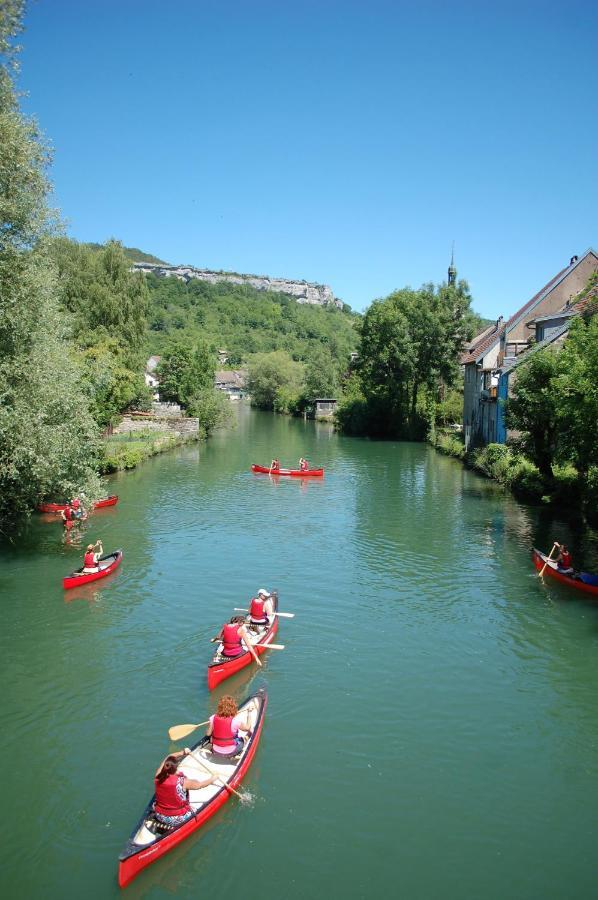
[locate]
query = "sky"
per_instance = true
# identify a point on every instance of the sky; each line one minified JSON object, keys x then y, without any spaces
{"x":347,"y":143}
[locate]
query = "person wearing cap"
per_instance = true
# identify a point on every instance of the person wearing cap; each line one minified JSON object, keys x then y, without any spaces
{"x":261,"y":608}
{"x":92,"y":557}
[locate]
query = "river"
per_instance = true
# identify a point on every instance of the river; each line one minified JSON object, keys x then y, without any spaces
{"x":432,"y":723}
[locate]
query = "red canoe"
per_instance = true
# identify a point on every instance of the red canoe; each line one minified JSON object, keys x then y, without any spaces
{"x":581,"y":581}
{"x":150,"y":840}
{"x":58,"y":507}
{"x":221,"y":668}
{"x":294,"y":473}
{"x":107,"y":565}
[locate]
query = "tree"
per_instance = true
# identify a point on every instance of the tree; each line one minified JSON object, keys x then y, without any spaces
{"x":213,"y":409}
{"x":410,"y":343}
{"x":185,"y":370}
{"x":576,"y":395}
{"x":275,"y":380}
{"x":532,"y":409}
{"x":47,"y":436}
{"x":321,"y":374}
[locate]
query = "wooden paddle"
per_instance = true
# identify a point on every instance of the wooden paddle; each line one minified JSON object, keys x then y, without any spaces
{"x":211,"y":772}
{"x":549,"y":557}
{"x":284,"y":615}
{"x":178,"y":732}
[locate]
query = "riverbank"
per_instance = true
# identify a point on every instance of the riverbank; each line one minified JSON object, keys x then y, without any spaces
{"x":514,"y":471}
{"x":128,"y":450}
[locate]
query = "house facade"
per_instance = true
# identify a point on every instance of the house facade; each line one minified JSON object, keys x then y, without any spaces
{"x":497,"y":351}
{"x":232,"y":382}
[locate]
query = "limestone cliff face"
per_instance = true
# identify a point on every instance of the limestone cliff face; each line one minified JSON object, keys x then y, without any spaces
{"x":302,"y":291}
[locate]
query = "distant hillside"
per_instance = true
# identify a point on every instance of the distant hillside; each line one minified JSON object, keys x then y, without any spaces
{"x":243,"y":320}
{"x":134,"y":254}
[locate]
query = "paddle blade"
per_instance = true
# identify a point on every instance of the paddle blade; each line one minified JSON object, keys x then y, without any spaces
{"x":177,"y":732}
{"x":285,"y":615}
{"x":272,"y":646}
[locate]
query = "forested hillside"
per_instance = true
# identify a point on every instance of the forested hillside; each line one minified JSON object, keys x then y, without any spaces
{"x":245,"y":321}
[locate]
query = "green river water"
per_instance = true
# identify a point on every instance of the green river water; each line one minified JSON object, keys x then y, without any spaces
{"x":432,"y":727}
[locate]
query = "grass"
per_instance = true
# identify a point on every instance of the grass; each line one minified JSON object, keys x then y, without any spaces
{"x":126,"y":451}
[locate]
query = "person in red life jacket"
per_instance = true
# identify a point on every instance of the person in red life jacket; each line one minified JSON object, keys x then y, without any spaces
{"x":171,"y":804}
{"x":261,"y":608}
{"x":275,"y":465}
{"x":232,"y":636}
{"x":67,"y":516}
{"x":92,"y":556}
{"x":564,"y":560}
{"x":224,"y":727}
{"x":303,"y":465}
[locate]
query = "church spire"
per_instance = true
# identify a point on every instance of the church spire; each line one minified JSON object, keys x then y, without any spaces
{"x":452,"y":272}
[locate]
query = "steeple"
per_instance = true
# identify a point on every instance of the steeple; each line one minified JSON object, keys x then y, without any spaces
{"x":452,"y":272}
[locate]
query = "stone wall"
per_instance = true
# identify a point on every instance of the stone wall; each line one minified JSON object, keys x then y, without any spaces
{"x":302,"y":291}
{"x":179,"y":425}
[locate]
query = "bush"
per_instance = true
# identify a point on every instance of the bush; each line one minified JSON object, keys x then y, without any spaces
{"x":451,"y":444}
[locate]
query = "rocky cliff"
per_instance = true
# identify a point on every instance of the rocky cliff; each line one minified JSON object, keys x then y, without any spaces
{"x":302,"y":291}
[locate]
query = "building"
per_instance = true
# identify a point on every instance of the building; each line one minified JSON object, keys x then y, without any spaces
{"x":232,"y":382}
{"x":324,"y":407}
{"x":150,"y":374}
{"x":500,"y":346}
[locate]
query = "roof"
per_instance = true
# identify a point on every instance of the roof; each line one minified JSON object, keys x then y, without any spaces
{"x":478,"y":350}
{"x":152,"y":363}
{"x":559,"y":332}
{"x":229,"y":376}
{"x":516,"y":317}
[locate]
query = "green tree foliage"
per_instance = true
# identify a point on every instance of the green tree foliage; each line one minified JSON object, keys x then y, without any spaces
{"x":275,"y":381}
{"x":576,"y":395}
{"x":47,"y":436}
{"x":322,"y":375}
{"x":107,"y":308}
{"x":213,"y":409}
{"x":532,"y":409}
{"x":410,"y":343}
{"x":186,"y":370}
{"x":245,"y":321}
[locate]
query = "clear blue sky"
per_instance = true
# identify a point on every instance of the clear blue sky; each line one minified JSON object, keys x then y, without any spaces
{"x":342,"y":142}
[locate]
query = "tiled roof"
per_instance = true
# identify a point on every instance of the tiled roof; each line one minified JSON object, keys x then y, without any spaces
{"x":537,"y":297}
{"x":472,"y":355}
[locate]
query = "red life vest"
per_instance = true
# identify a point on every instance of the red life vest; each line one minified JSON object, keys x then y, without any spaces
{"x":304,"y":465}
{"x":169,"y":801}
{"x":89,"y":561}
{"x":222,"y":732}
{"x":566,"y":559}
{"x":68,"y":513}
{"x":256,"y":611}
{"x":231,"y":640}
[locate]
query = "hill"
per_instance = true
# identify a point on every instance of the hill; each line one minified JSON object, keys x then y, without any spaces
{"x":243,"y":320}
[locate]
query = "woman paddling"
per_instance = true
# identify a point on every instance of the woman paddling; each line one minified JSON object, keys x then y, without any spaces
{"x":232,"y":636}
{"x":564,"y":560}
{"x":171,"y":806}
{"x":93,"y":554}
{"x":225,"y":725}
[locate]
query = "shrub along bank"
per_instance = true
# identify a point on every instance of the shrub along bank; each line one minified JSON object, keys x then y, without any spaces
{"x":511,"y":468}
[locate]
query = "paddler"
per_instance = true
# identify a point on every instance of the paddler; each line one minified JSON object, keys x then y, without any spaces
{"x":67,"y":516}
{"x":233,"y":635}
{"x":303,"y":465}
{"x":171,"y":804}
{"x":261,"y":608}
{"x":275,"y":465}
{"x":564,"y":560}
{"x":225,"y":725}
{"x":92,"y":557}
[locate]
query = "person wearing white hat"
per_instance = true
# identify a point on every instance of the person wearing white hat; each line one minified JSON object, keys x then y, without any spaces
{"x":261,"y":608}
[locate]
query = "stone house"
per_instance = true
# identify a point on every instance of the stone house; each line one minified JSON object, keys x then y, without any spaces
{"x":324,"y":407}
{"x":150,"y":374}
{"x":499,"y":347}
